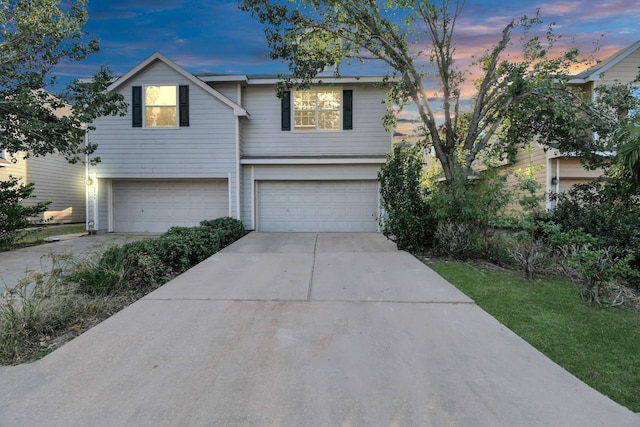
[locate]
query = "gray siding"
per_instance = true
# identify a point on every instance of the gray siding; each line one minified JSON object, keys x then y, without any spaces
{"x":263,"y":135}
{"x":205,"y":149}
{"x":230,"y":90}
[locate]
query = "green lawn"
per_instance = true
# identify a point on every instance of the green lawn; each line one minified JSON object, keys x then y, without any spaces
{"x":52,"y":231}
{"x":601,"y":346}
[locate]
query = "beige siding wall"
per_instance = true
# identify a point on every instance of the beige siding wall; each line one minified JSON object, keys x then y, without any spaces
{"x":532,"y":158}
{"x":62,"y":183}
{"x":264,"y":137}
{"x":624,"y":71}
{"x":56,"y":180}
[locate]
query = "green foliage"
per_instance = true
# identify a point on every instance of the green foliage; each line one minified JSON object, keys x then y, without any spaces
{"x":38,"y":306}
{"x":149,"y":263}
{"x":605,"y":209}
{"x":37,"y":36}
{"x":593,"y":229}
{"x":406,"y":218}
{"x":465,"y":211}
{"x":15,"y":217}
{"x":520,"y":99}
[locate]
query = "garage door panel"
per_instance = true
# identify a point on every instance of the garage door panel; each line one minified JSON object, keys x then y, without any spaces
{"x":317,"y":206}
{"x":157,"y":205}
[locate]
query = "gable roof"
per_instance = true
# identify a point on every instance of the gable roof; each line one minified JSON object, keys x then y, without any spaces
{"x":593,"y":73}
{"x":157,"y":56}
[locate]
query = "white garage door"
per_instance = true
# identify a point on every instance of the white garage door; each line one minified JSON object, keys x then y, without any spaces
{"x":155,"y":205}
{"x":318,"y":206}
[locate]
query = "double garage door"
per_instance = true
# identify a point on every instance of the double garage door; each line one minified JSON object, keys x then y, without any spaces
{"x":155,"y":205}
{"x":317,"y":206}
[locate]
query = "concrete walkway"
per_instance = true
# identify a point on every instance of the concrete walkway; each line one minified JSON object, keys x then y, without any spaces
{"x":302,"y":330}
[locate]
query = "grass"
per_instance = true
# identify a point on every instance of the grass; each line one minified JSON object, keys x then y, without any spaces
{"x":600,"y":346}
{"x":51,"y":231}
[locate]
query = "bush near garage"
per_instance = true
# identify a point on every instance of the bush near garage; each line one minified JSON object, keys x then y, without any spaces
{"x":146,"y":264}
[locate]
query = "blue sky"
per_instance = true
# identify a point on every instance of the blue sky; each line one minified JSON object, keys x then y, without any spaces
{"x":216,"y":37}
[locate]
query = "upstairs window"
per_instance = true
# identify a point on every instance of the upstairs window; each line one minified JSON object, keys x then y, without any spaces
{"x":317,"y":109}
{"x":160,"y":106}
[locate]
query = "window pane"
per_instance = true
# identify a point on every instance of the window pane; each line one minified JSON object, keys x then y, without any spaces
{"x":161,"y":116}
{"x":304,"y":120}
{"x":304,"y":100}
{"x":160,"y":95}
{"x":329,"y":120}
{"x":328,"y":99}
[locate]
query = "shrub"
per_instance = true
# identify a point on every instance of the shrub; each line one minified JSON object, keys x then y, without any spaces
{"x":604,"y":210}
{"x":15,"y":218}
{"x":149,"y":263}
{"x":465,"y":210}
{"x":406,"y":218}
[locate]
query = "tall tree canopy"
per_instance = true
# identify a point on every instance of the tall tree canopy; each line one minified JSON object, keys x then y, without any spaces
{"x":516,"y":98}
{"x":35,"y":37}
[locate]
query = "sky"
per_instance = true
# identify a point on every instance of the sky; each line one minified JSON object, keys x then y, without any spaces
{"x":216,"y":37}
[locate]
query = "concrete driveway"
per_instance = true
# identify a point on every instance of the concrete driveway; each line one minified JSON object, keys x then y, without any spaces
{"x":302,"y":330}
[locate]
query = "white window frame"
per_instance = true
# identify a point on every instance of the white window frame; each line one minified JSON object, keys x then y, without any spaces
{"x":144,"y":106}
{"x":317,"y":110}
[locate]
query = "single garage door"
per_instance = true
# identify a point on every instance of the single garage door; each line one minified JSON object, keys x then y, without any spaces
{"x":318,"y":206}
{"x":155,"y":205}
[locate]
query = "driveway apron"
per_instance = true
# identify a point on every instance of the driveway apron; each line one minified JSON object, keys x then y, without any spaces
{"x":302,"y":329}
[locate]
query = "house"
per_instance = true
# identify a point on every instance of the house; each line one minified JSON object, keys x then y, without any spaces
{"x":196,"y":147}
{"x":54,"y":179}
{"x":557,"y":171}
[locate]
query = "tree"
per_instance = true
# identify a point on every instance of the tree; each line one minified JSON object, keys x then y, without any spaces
{"x":36,"y":36}
{"x":312,"y":35}
{"x":14,"y":217}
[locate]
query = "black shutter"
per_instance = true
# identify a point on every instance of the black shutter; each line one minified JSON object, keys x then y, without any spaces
{"x":347,"y":109}
{"x":285,"y":104}
{"x":183,"y":101}
{"x":136,"y":103}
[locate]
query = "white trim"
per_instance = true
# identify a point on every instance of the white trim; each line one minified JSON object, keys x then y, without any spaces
{"x":239,"y":176}
{"x":314,"y":161}
{"x":230,"y":194}
{"x":144,"y":106}
{"x":96,"y":193}
{"x":317,"y":110}
{"x":593,"y":74}
{"x":253,"y":197}
{"x":272,"y":80}
{"x":109,"y":206}
{"x":237,"y":109}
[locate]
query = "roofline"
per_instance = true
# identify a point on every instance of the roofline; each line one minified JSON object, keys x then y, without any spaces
{"x":274,"y":79}
{"x":593,"y":73}
{"x":157,"y":56}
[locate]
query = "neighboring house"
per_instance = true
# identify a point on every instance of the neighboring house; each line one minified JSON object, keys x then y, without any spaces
{"x":54,"y":179}
{"x":200,"y":147}
{"x":556,"y":171}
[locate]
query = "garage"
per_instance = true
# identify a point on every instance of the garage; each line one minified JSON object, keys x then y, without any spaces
{"x":155,"y":205}
{"x":317,"y":206}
